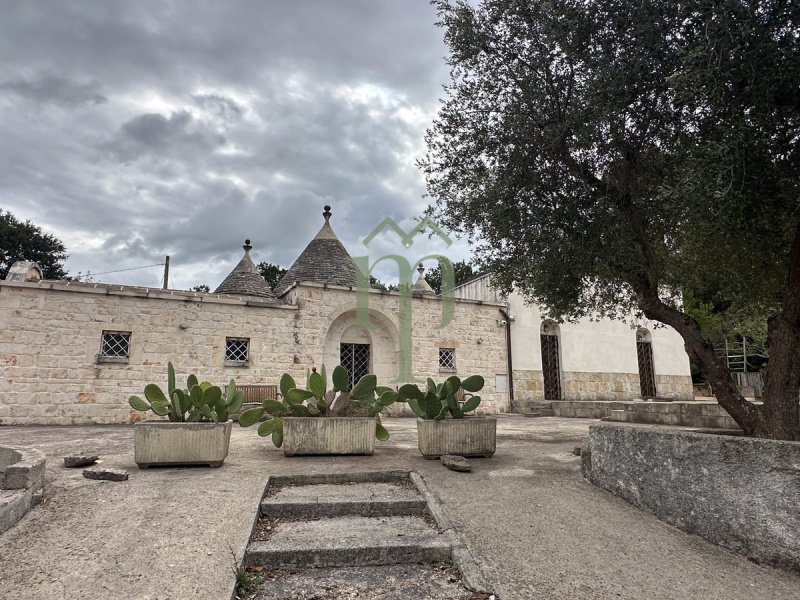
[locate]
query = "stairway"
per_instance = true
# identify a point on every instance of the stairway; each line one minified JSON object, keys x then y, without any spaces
{"x":534,"y":408}
{"x":369,"y":523}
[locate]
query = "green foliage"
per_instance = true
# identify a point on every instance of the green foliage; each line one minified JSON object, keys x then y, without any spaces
{"x":316,"y":400}
{"x":463,"y":271}
{"x":246,"y":582}
{"x":25,"y":241}
{"x":598,"y":149}
{"x":437,"y":400}
{"x":272,"y":274}
{"x":203,"y":287}
{"x":198,"y":402}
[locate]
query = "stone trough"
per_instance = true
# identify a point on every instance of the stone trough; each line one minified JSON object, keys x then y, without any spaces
{"x":21,"y":483}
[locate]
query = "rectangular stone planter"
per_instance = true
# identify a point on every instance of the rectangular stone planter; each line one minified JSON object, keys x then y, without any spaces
{"x":470,"y":436}
{"x":328,"y":435}
{"x":168,"y":443}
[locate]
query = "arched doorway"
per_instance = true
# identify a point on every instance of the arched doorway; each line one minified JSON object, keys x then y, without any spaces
{"x":551,"y":360}
{"x":362,"y":351}
{"x":644,"y":354}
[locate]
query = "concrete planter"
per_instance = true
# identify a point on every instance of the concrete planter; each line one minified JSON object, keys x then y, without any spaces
{"x":738,"y":492}
{"x":470,"y":436}
{"x":328,"y":435}
{"x":168,"y":443}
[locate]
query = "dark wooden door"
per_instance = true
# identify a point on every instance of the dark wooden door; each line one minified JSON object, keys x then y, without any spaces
{"x":354,"y":358}
{"x":551,"y":369}
{"x":647,"y":376}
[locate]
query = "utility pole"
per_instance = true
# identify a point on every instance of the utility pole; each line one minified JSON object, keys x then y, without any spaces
{"x":166,"y":273}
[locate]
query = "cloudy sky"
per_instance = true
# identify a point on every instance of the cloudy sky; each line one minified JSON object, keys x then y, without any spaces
{"x":133,"y":130}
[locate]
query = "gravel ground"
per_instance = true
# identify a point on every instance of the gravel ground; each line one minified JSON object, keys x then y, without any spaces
{"x":536,"y":527}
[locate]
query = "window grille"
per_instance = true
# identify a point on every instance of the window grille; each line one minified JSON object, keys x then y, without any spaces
{"x":115,"y":346}
{"x":447,"y":359}
{"x":237,"y":351}
{"x":354,"y":358}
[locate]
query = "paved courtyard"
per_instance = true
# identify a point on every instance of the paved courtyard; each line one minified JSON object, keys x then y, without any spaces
{"x":537,"y":528}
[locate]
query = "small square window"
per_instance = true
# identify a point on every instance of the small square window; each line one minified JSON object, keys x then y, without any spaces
{"x":115,"y":346}
{"x":447,"y":359}
{"x":237,"y":352}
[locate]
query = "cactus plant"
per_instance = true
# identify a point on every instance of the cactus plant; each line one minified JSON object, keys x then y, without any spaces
{"x":440,"y":399}
{"x":366,"y":397}
{"x":198,"y":402}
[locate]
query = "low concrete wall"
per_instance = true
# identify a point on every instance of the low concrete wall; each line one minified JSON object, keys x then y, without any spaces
{"x":21,"y":483}
{"x":741,"y":493}
{"x":686,"y":414}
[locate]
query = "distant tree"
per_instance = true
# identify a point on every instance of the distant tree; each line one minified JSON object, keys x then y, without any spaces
{"x":377,"y":284}
{"x":463,"y":271}
{"x":25,"y":241}
{"x":201,"y":288}
{"x":607,"y":154}
{"x":271,"y":273}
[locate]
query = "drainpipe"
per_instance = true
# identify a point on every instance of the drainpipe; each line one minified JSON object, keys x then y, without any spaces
{"x":510,"y":366}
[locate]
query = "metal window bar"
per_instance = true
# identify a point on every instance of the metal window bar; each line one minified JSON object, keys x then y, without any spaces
{"x":115,"y":346}
{"x":447,"y":359}
{"x":237,"y":350}
{"x":354,"y":358}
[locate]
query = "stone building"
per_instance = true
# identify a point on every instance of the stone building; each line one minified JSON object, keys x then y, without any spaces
{"x":586,"y":360}
{"x":74,"y":352}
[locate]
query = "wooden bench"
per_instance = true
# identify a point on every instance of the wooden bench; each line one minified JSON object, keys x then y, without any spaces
{"x":254,"y":394}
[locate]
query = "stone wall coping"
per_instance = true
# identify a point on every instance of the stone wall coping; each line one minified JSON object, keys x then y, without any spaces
{"x":108,"y":289}
{"x":721,"y":436}
{"x":311,"y":284}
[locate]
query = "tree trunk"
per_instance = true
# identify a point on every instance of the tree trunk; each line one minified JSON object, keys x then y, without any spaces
{"x":746,"y":414}
{"x":782,"y":380}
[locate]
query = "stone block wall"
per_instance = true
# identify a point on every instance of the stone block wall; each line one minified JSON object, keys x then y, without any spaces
{"x":50,"y":341}
{"x":529,"y":386}
{"x":50,"y":336}
{"x":325,"y":314}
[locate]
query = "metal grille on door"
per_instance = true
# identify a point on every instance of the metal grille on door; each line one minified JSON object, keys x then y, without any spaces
{"x":647,"y":377}
{"x":550,"y":367}
{"x":354,"y":358}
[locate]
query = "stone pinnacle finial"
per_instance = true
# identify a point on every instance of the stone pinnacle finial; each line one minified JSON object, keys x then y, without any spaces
{"x":327,"y":213}
{"x":420,"y":269}
{"x":247,"y":247}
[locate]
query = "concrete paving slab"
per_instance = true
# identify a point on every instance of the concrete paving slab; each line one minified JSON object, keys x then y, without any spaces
{"x":537,"y":528}
{"x":351,"y":541}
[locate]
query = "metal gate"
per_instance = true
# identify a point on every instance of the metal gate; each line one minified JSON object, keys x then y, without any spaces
{"x":551,"y":370}
{"x":354,"y":358}
{"x":647,"y":376}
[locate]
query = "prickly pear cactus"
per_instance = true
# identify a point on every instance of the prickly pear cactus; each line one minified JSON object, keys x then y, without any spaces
{"x":365,"y":398}
{"x":199,"y":402}
{"x":440,"y":399}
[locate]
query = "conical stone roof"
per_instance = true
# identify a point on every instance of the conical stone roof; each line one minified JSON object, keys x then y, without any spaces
{"x":245,"y":280}
{"x":324,"y":260}
{"x":422,"y":286}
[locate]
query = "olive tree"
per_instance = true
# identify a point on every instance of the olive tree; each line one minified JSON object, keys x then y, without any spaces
{"x":606,"y":154}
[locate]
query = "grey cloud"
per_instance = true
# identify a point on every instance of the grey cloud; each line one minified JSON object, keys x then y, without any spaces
{"x":224,"y":121}
{"x":54,"y":90}
{"x":156,"y":134}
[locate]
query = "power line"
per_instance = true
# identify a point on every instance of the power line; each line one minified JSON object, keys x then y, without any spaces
{"x":90,"y":273}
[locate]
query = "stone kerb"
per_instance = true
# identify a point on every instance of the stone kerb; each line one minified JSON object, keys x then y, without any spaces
{"x":21,"y":483}
{"x":738,"y":492}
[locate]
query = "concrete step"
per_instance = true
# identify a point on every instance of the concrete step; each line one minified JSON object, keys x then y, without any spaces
{"x":369,"y":499}
{"x":351,"y":541}
{"x":398,"y":582}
